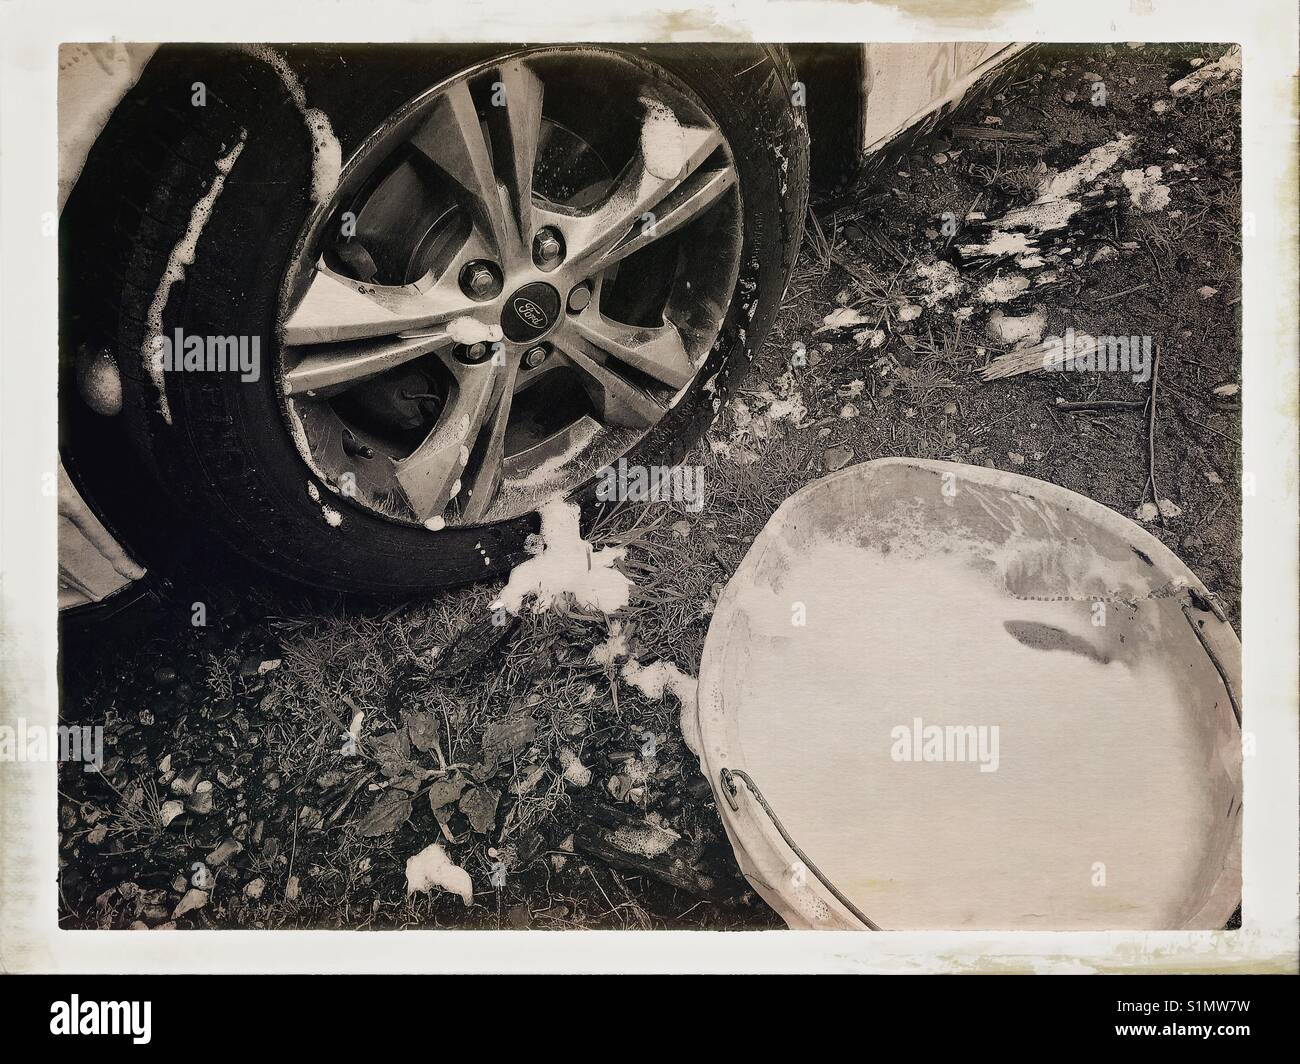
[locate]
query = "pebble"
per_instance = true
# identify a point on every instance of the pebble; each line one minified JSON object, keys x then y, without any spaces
{"x":193,"y":899}
{"x":834,"y":458}
{"x":224,"y":852}
{"x":200,"y":801}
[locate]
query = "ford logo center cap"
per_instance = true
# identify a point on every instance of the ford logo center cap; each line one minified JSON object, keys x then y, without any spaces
{"x":530,"y":311}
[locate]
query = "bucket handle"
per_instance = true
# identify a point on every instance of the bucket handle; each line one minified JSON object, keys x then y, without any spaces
{"x":727,"y":777}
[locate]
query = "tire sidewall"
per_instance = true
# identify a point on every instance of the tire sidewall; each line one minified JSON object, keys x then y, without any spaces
{"x":227,"y":455}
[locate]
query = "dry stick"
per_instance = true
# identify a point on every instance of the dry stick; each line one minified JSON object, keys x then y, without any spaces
{"x":1098,"y":405}
{"x":1151,"y":440}
{"x":982,"y":133}
{"x":1124,"y":292}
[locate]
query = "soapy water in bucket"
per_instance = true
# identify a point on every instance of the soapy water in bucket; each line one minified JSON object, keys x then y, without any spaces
{"x":1088,"y":807}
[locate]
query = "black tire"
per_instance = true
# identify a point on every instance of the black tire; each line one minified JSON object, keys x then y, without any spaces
{"x":225,"y":461}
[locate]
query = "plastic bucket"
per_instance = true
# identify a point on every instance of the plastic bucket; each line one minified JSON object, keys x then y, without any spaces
{"x":937,"y":696}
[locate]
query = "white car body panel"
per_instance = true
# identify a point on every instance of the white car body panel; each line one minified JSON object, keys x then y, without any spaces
{"x":93,"y":78}
{"x":906,"y":82}
{"x":903,"y":84}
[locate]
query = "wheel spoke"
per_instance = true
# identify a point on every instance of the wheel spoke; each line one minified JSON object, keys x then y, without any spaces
{"x":658,"y":351}
{"x":334,"y":309}
{"x":522,"y":129}
{"x":686,"y":203}
{"x":621,"y":402}
{"x":641,"y":208}
{"x":453,"y":139}
{"x":487,"y":477}
{"x":324,"y":369}
{"x":430,"y":475}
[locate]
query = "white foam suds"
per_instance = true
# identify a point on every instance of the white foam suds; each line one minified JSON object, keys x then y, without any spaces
{"x":1016,"y":231}
{"x":1146,"y":190}
{"x":843,"y":318}
{"x":940,"y":281}
{"x":614,"y":647}
{"x":1086,"y":170}
{"x":182,"y":255}
{"x":431,"y":869}
{"x":1000,"y":242}
{"x":569,"y":566}
{"x":663,"y":676}
{"x":469,"y":330}
{"x":575,"y":772}
{"x":1009,"y":329}
{"x":327,"y":154}
{"x":663,"y":145}
{"x":1002,"y":289}
{"x":649,"y":840}
{"x":553,"y":468}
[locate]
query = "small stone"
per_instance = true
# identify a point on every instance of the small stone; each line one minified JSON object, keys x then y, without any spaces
{"x":834,"y":458}
{"x":170,"y":811}
{"x":193,"y":899}
{"x":200,"y":802}
{"x":291,"y":889}
{"x":184,"y":785}
{"x":254,"y":887}
{"x":224,"y":852}
{"x":1016,"y":458}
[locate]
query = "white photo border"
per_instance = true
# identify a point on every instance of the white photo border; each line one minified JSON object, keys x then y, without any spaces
{"x":30,"y":34}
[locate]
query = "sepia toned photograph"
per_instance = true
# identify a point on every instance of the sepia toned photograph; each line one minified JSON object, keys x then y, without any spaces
{"x":710,"y":486}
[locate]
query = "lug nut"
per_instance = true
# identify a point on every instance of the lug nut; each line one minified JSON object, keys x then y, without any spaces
{"x":535,"y":356}
{"x":480,"y":280}
{"x":580,"y":298}
{"x":473,"y":353}
{"x":548,"y":249}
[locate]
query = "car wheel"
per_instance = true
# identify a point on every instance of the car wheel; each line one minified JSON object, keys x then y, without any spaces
{"x":470,"y":280}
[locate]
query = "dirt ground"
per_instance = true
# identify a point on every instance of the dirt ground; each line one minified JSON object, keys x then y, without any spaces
{"x":231,"y":795}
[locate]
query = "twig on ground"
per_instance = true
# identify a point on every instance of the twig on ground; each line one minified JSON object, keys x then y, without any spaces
{"x":1114,"y":406}
{"x":1151,"y":439}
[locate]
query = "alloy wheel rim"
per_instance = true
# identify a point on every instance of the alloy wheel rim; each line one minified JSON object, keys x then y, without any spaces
{"x":510,"y":287}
